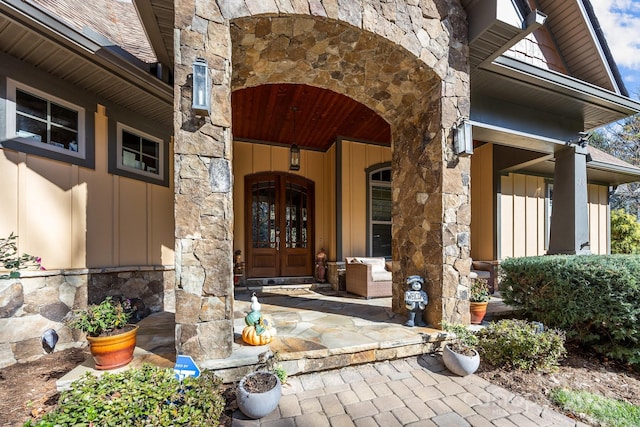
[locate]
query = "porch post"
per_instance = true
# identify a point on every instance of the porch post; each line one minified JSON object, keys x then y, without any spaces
{"x":203,"y":189}
{"x":569,"y":232}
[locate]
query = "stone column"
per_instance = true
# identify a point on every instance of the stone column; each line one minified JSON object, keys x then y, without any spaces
{"x":431,"y":209}
{"x":569,"y":232}
{"x":203,"y":187}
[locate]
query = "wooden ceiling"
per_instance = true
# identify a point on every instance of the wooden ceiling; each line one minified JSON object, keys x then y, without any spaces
{"x":266,"y":114}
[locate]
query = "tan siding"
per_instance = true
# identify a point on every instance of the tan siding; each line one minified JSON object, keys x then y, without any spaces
{"x":132,"y":223}
{"x":243,"y":159}
{"x":523,"y":216}
{"x":482,"y":221}
{"x":519,"y":216}
{"x":598,"y":218}
{"x":523,"y":220}
{"x":315,"y":167}
{"x":74,"y":217}
{"x":356,"y":158}
{"x":329,"y":202}
{"x":9,"y":192}
{"x":355,"y":218}
{"x":161,"y":225}
{"x":45,"y":206}
{"x":534,"y":217}
{"x":100,"y":190}
{"x":506,"y":217}
{"x":280,"y":160}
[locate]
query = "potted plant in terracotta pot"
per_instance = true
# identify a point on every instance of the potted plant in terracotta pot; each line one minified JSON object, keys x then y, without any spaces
{"x":259,"y":392}
{"x":459,"y":354}
{"x":478,"y":300}
{"x":111,"y":338}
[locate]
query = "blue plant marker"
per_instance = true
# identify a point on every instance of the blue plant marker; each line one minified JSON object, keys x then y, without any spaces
{"x":185,"y":367}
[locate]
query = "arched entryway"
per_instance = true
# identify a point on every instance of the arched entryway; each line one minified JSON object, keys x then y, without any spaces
{"x":407,"y":65}
{"x":279,"y":225}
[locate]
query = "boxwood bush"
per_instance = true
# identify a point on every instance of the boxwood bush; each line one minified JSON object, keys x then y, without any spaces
{"x":518,"y":344}
{"x":594,"y":298}
{"x":147,"y":396}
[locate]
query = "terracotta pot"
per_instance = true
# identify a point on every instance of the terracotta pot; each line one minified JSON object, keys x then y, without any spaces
{"x":113,"y":351}
{"x":478,"y":311}
{"x":257,"y":405}
{"x":460,"y":364}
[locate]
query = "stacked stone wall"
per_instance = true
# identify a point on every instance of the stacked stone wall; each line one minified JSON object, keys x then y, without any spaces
{"x":39,"y":301}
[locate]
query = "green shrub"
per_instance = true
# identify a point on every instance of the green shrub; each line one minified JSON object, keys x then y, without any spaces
{"x":625,"y":233}
{"x":593,"y":298}
{"x":520,"y":344}
{"x":147,"y":396}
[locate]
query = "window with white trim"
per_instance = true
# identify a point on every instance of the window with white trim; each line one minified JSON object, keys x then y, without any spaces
{"x":139,"y":152}
{"x":44,"y":121}
{"x":380,"y":212}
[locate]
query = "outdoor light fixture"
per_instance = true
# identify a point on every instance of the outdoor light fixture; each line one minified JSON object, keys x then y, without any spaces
{"x":294,"y":158}
{"x":462,"y":140}
{"x":201,"y":103}
{"x":294,"y":151}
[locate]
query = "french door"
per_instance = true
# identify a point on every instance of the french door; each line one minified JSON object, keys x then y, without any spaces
{"x":279,"y":225}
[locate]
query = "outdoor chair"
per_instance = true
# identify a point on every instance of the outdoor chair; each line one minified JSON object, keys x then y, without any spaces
{"x":368,"y":277}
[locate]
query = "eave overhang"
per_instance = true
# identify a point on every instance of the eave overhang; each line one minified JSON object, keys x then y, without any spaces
{"x":94,"y":50}
{"x":612,"y":105}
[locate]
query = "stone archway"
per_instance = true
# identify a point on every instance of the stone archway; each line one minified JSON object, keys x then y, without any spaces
{"x":408,"y":65}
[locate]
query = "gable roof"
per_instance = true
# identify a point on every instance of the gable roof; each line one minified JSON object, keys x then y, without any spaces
{"x":116,"y":20}
{"x":586,"y":89}
{"x":581,"y":41}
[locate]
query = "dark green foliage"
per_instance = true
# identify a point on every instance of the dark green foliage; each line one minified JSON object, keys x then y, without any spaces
{"x":519,"y":344}
{"x":101,"y":318}
{"x":594,"y":298}
{"x":148,"y":396}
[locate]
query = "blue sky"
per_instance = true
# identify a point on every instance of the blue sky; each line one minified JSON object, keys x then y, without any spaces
{"x":620,"y":21}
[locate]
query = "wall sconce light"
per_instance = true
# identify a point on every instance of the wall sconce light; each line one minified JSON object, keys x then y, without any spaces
{"x":201,"y":103}
{"x":294,"y":151}
{"x":294,"y":158}
{"x":462,"y":138}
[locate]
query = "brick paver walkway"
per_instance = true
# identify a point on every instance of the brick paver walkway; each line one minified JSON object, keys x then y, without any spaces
{"x":416,"y":391}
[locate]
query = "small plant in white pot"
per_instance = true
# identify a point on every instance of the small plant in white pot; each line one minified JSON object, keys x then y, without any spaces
{"x":259,"y":392}
{"x":460,"y":355}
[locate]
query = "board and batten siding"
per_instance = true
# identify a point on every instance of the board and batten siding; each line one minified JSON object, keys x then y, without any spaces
{"x":319,"y":167}
{"x":75,"y":217}
{"x":523,"y":216}
{"x":482,"y":201}
{"x":356,"y":158}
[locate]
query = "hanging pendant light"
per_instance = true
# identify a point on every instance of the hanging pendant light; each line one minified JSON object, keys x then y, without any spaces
{"x":294,"y":151}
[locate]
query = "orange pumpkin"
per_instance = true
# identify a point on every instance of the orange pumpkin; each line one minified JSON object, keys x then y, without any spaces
{"x":250,"y":336}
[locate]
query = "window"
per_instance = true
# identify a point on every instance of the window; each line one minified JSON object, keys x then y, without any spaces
{"x":380,"y":212}
{"x":139,"y":153}
{"x":45,"y":122}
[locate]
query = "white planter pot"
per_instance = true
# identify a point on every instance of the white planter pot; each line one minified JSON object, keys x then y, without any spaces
{"x":257,"y":405}
{"x":460,"y":364}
